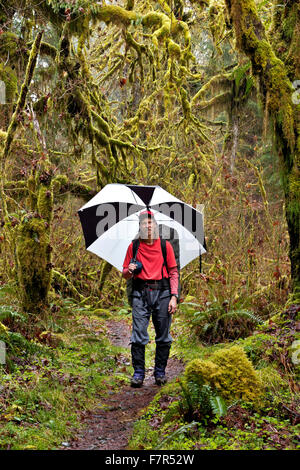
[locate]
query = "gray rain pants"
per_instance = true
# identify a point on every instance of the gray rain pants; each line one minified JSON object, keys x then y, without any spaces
{"x":144,"y":303}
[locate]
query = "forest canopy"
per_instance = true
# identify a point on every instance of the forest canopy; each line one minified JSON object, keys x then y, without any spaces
{"x":151,"y":93}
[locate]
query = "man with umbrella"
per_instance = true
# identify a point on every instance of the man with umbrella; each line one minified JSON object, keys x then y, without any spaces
{"x":155,"y":290}
{"x":110,"y":221}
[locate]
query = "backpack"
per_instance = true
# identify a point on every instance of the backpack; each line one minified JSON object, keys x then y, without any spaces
{"x":165,"y":234}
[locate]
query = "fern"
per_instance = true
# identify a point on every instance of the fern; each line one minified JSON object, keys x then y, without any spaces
{"x":218,"y":405}
{"x":7,"y":289}
{"x":216,"y":323}
{"x":7,"y":312}
{"x":188,"y":405}
{"x":179,"y":431}
{"x":242,"y":313}
{"x":200,"y":400}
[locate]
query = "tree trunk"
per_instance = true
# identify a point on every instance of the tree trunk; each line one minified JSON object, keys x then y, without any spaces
{"x":274,"y":82}
{"x":32,"y":235}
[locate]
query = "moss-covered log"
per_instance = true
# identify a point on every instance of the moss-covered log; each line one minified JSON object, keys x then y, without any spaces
{"x":275,"y":85}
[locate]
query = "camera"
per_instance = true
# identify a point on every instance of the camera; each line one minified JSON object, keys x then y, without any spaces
{"x":139,"y":267}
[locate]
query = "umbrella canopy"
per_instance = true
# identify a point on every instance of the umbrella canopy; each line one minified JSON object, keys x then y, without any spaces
{"x":110,"y":221}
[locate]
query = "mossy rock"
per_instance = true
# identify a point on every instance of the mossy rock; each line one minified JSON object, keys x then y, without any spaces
{"x":229,"y":372}
{"x":202,"y":371}
{"x":257,"y":346}
{"x":271,"y":379}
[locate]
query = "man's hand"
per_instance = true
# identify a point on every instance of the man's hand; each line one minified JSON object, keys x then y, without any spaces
{"x":131,"y":267}
{"x":172,"y":305}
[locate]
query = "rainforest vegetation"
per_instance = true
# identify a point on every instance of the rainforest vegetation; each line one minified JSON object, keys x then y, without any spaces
{"x":200,"y":97}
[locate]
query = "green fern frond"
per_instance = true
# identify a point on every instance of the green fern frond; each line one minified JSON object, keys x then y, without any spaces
{"x":242,"y":313}
{"x":181,"y":430}
{"x":218,"y":405}
{"x":7,"y":312}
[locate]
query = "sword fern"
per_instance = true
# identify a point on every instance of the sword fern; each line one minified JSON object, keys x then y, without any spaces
{"x":200,"y":402}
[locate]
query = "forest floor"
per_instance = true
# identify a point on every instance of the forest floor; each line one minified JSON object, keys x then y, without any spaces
{"x":110,"y":428}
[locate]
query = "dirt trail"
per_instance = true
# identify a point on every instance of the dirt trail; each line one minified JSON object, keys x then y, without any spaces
{"x":110,"y":428}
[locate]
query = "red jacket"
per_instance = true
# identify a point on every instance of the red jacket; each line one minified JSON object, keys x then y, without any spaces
{"x":152,"y":259}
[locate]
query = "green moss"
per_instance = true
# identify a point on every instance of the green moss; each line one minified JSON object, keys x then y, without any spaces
{"x":33,"y":263}
{"x":174,"y":49}
{"x":257,"y":346}
{"x":115,"y":14}
{"x":276,"y":92}
{"x":229,"y":372}
{"x":8,"y":76}
{"x":64,"y":285}
{"x":45,"y":203}
{"x":3,"y":136}
{"x":9,"y":44}
{"x":59,"y":182}
{"x":202,"y":372}
{"x":32,"y":196}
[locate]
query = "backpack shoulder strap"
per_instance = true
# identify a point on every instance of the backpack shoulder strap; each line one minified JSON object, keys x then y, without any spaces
{"x":135,"y":247}
{"x":164,"y":251}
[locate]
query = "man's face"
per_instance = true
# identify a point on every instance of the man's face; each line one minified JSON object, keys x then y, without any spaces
{"x":147,"y":228}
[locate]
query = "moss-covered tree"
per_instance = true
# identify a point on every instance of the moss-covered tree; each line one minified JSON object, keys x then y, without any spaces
{"x":120,"y":84}
{"x":145,"y":54}
{"x":275,"y":64}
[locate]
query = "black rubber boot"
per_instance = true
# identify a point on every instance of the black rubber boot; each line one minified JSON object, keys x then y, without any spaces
{"x":138,"y":363}
{"x":161,"y":359}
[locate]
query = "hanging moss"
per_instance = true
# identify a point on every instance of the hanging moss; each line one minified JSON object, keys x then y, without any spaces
{"x":33,"y":263}
{"x":229,"y":372}
{"x":8,"y":76}
{"x":9,"y":45}
{"x":284,"y":34}
{"x":3,"y":136}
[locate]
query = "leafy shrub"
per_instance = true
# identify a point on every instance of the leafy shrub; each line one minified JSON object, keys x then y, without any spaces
{"x":229,"y":372}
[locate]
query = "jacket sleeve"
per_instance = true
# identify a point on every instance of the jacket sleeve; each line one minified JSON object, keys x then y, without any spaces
{"x":173,"y":276}
{"x":127,"y":259}
{"x":172,"y":268}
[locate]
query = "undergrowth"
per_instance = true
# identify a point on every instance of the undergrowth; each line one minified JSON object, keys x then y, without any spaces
{"x":61,"y":365}
{"x":190,"y":414}
{"x":47,"y":382}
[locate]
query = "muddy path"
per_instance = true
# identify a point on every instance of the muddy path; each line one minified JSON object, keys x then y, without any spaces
{"x":111,"y":428}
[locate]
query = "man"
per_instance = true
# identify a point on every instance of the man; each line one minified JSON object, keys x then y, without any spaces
{"x":155,"y":290}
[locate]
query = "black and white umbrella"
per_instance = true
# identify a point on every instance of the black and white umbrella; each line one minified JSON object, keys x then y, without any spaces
{"x":110,"y":221}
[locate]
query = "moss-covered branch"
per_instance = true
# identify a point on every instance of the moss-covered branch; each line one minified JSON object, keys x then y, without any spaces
{"x":61,"y":283}
{"x":23,"y":94}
